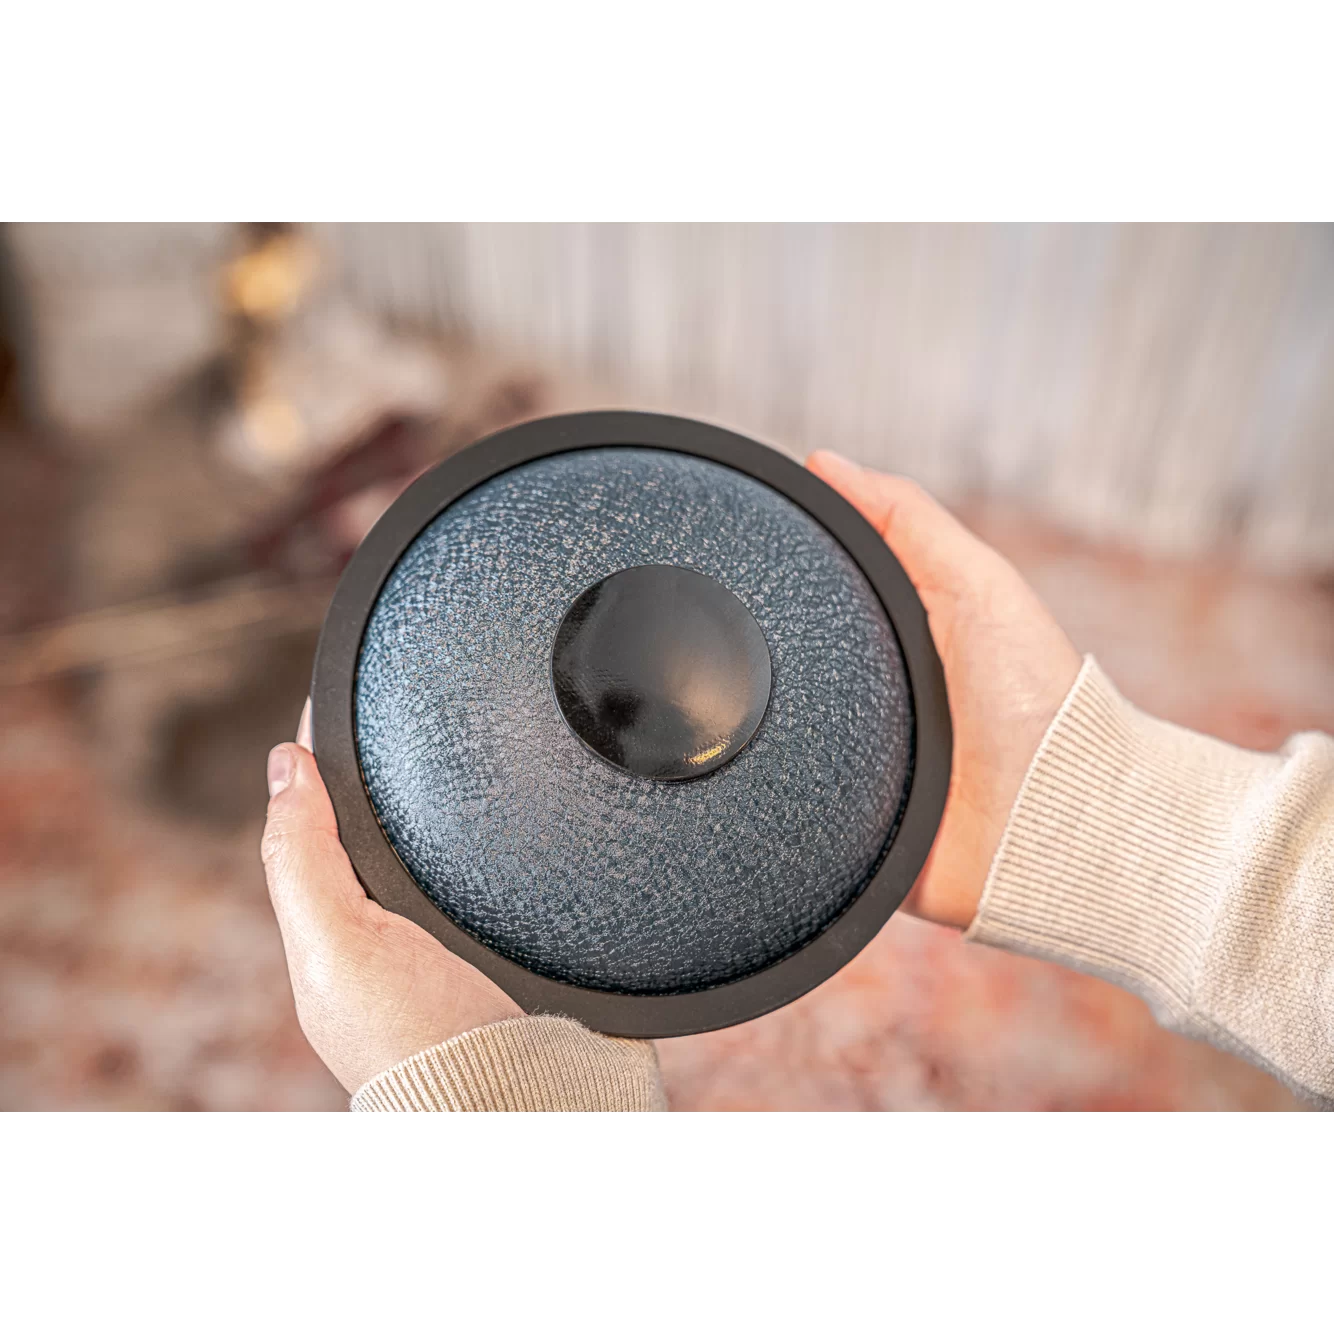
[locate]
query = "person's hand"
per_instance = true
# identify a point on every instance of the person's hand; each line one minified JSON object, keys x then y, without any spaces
{"x":371,"y":987}
{"x":1008,"y":667}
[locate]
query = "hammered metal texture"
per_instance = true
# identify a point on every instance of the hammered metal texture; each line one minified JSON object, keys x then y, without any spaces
{"x":552,"y":857}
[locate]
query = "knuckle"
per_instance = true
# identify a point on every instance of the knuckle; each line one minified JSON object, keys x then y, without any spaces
{"x":273,"y":844}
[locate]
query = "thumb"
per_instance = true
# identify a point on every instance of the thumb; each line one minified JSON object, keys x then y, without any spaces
{"x":314,"y":889}
{"x":938,"y":553}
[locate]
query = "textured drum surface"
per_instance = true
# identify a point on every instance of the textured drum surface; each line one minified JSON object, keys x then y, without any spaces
{"x":548,"y":854}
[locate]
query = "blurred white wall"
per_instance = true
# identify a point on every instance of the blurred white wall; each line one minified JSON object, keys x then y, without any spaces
{"x":1170,"y":386}
{"x":1166,"y":386}
{"x":109,"y":312}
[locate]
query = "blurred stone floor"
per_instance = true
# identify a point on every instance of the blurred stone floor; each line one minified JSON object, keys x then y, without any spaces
{"x":140,"y":966}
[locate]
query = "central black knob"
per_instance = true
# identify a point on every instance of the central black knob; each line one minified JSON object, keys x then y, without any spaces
{"x":661,"y":671}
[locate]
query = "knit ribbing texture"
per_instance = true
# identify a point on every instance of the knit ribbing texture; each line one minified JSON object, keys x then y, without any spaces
{"x":1190,"y":871}
{"x":535,"y":1064}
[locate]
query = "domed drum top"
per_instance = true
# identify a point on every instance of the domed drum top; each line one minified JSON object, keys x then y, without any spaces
{"x":635,"y":715}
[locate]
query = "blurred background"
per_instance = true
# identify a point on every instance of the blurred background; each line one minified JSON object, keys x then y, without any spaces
{"x":199,"y":422}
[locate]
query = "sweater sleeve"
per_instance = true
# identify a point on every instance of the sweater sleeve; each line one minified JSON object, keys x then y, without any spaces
{"x":1197,"y":874}
{"x":540,"y":1063}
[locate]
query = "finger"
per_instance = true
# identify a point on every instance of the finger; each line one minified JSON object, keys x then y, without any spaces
{"x":935,"y":549}
{"x":303,"y":733}
{"x":311,"y":882}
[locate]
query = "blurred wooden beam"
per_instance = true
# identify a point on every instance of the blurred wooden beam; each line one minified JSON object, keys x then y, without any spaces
{"x":238,"y":611}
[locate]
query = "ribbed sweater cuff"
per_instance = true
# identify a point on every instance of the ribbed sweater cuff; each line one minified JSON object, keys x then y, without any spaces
{"x":534,"y":1064}
{"x":1115,"y":860}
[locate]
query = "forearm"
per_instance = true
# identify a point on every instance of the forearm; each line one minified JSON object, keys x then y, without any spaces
{"x":1197,"y":874}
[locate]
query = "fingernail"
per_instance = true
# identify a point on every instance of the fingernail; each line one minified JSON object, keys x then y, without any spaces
{"x":280,"y":769}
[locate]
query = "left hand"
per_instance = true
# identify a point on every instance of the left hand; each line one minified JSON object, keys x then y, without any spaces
{"x":371,"y":988}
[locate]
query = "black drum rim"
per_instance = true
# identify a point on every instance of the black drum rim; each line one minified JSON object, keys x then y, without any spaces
{"x":388,"y":881}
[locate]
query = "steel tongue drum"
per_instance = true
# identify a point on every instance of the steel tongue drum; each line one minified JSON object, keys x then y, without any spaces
{"x":637,"y":716}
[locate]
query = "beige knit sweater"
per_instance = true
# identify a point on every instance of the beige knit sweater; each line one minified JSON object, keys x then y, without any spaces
{"x":1196,"y":874}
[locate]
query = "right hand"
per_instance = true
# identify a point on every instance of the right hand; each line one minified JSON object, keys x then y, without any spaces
{"x":1008,"y":668}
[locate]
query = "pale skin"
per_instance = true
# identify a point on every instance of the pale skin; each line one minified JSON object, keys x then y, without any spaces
{"x":372,"y":988}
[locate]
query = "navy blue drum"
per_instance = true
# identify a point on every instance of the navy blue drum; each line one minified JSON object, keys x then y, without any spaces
{"x":584,"y":870}
{"x":640,"y":726}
